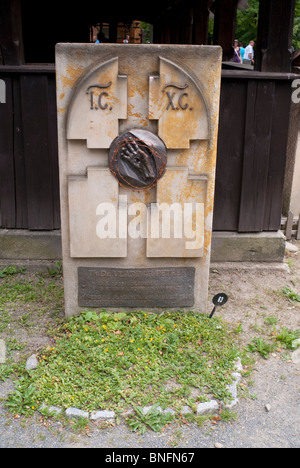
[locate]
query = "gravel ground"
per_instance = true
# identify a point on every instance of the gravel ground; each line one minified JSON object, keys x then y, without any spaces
{"x":276,"y":383}
{"x":268,"y":414}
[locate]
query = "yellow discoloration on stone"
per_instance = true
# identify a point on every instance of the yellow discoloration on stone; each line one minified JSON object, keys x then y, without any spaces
{"x":179,"y":106}
{"x":186,"y":119}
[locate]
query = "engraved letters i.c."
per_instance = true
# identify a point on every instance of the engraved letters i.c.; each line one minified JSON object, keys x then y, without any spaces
{"x":101,"y":105}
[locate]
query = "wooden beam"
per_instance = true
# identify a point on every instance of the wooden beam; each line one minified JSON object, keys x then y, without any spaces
{"x":224,"y":26}
{"x":200,"y":22}
{"x":274,"y":35}
{"x":256,"y":155}
{"x":11,"y":40}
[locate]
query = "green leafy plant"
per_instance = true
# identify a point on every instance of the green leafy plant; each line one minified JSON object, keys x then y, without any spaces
{"x":11,"y":270}
{"x":271,"y":320}
{"x":22,"y":400}
{"x":290,"y":294}
{"x":259,"y":345}
{"x":288,"y":338}
{"x":55,"y":271}
{"x":155,"y":419}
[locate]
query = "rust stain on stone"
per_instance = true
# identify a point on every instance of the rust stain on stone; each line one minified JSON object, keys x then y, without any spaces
{"x":73,"y":72}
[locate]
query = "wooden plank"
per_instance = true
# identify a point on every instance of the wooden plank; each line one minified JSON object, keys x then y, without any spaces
{"x":256,"y":75}
{"x":38,"y":166}
{"x":230,"y":155}
{"x":38,"y":68}
{"x":276,"y":47}
{"x":277,"y":162}
{"x":7,"y":174}
{"x":260,"y":103}
{"x":19,"y":160}
{"x":279,"y":143}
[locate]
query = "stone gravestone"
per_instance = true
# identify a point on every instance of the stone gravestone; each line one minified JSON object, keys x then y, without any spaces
{"x":137,"y":128}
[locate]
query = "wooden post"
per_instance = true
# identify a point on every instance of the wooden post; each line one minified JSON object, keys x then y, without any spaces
{"x":274,"y":35}
{"x":113,"y":31}
{"x":186,"y":25}
{"x":224,"y":26}
{"x":11,"y":40}
{"x":200,"y":22}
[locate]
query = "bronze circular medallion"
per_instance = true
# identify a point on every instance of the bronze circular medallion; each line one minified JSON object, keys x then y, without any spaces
{"x":137,"y":158}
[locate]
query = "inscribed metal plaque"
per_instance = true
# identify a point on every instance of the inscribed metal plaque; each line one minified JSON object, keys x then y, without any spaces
{"x":136,"y":287}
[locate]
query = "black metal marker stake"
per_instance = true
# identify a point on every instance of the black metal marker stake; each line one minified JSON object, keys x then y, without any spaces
{"x":218,"y":300}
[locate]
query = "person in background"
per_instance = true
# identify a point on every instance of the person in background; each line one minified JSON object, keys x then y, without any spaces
{"x":249,"y":54}
{"x":237,"y":54}
{"x":242,"y":50}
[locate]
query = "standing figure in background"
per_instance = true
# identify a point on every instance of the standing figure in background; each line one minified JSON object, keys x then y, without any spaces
{"x":249,"y":54}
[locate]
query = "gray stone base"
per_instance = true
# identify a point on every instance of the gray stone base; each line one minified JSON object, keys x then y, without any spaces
{"x":17,"y":244}
{"x":29,"y":246}
{"x":250,"y":247}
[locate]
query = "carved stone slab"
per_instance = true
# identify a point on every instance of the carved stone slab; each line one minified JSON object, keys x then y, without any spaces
{"x":135,"y":233}
{"x":89,"y":198}
{"x":176,"y":223}
{"x":136,"y":287}
{"x":176,"y":101}
{"x":98,"y":103}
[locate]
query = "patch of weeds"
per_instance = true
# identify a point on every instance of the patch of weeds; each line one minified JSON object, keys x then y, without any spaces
{"x":153,"y":419}
{"x":6,"y":370}
{"x":288,"y":338}
{"x":271,"y":321}
{"x":228,"y":415}
{"x":5,"y":319}
{"x":10,"y":369}
{"x":238,"y":330}
{"x":11,"y":270}
{"x":260,"y":346}
{"x":15,"y":291}
{"x":79,"y":425}
{"x":289,"y":293}
{"x":57,"y":270}
{"x":22,"y":400}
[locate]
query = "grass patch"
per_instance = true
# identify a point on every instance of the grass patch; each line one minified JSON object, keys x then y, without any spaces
{"x":11,"y":270}
{"x":23,"y":291}
{"x":119,"y":361}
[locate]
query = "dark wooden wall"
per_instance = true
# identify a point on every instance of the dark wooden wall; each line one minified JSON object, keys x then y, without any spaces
{"x":253,"y":132}
{"x":252,"y":144}
{"x":29,"y":195}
